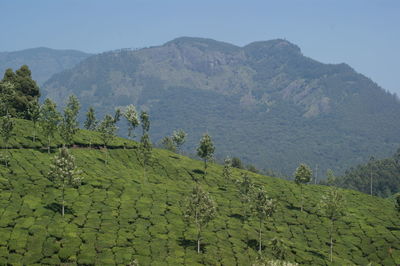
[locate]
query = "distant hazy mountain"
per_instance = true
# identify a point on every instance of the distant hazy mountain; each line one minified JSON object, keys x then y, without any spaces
{"x":265,"y":102}
{"x":43,"y":62}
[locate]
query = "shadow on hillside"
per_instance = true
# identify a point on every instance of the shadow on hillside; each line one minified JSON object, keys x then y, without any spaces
{"x":186,"y":243}
{"x":291,"y":207}
{"x":198,"y":171}
{"x":237,"y":216}
{"x":174,"y":157}
{"x":56,"y":207}
{"x":252,"y":243}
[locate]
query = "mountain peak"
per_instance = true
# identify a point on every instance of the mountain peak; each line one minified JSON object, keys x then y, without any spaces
{"x":276,"y":46}
{"x":202,"y":43}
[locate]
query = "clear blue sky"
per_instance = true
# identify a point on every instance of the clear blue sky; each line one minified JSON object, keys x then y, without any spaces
{"x":363,"y":33}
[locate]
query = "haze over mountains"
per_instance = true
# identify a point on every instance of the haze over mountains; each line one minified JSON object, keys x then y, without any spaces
{"x":44,"y":62}
{"x":265,"y":102}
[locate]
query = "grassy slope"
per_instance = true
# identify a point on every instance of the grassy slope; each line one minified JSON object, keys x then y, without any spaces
{"x":118,"y":215}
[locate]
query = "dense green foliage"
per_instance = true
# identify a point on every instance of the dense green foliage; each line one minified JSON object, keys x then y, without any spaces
{"x":384,"y":173}
{"x":117,"y":215}
{"x":265,"y":103}
{"x":18,"y":92}
{"x":44,"y":62}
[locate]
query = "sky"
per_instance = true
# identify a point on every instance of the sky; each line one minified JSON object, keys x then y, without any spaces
{"x":362,"y":33}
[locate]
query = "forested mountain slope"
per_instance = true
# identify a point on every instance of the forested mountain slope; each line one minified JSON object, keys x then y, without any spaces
{"x":265,"y":102}
{"x":118,"y":214}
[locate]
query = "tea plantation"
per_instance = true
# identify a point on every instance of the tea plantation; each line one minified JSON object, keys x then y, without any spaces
{"x":118,"y":215}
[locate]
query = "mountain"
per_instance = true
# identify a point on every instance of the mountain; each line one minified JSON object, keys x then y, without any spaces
{"x":117,"y":214}
{"x":384,"y":174}
{"x":44,"y":62}
{"x":265,"y":103}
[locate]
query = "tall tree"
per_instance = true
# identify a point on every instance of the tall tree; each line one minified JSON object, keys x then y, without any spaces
{"x":263,"y":207}
{"x":145,"y":150}
{"x":397,"y":202}
{"x":7,"y":96}
{"x":247,"y":190}
{"x":227,"y":170}
{"x":179,"y":138}
{"x":90,"y":123}
{"x":131,"y":116}
{"x":332,"y":206}
{"x":330,"y":177}
{"x":107,"y":129}
{"x":34,"y":114}
{"x":168,"y":144}
{"x":6,"y":129}
{"x":69,"y":124}
{"x":145,"y":121}
{"x":201,"y":209}
{"x":26,"y":89}
{"x":205,"y":150}
{"x":49,"y":120}
{"x":302,"y":176}
{"x":64,"y":172}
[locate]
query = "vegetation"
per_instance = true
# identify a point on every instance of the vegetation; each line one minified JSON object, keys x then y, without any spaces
{"x":302,"y":176}
{"x":205,"y":150}
{"x":64,"y":173}
{"x":377,"y":177}
{"x":201,"y":210}
{"x":332,"y":207}
{"x":69,"y":124}
{"x":117,"y":216}
{"x":49,"y":120}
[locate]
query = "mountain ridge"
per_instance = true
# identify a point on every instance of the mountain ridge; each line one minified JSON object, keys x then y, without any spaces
{"x":286,"y":98}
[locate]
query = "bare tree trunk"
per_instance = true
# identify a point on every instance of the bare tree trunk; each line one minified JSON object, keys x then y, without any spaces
{"x":48,"y":145}
{"x":205,"y":167}
{"x":331,"y":235}
{"x":34,"y":133}
{"x":301,"y":193}
{"x":63,"y":191}
{"x":371,"y":181}
{"x":259,"y":242}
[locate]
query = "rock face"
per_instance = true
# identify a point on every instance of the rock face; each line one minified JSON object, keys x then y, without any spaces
{"x":43,"y":62}
{"x":264,"y":102}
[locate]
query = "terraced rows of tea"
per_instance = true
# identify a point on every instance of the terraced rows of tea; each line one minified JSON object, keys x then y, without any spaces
{"x":119,"y":214}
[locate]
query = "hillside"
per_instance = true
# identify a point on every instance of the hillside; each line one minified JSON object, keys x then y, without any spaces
{"x":265,"y":102}
{"x":44,"y":62}
{"x":118,"y":215}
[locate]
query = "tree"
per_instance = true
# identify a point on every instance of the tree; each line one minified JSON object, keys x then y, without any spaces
{"x":49,"y":120}
{"x":205,"y":150}
{"x":131,"y":116}
{"x":302,"y":176}
{"x":6,"y":129}
{"x":7,"y":96}
{"x":90,"y":123}
{"x":107,"y":129}
{"x":263,"y":207}
{"x":34,"y":114}
{"x":179,"y":138}
{"x":201,"y":209}
{"x":237,"y":163}
{"x":64,"y":173}
{"x":145,"y":149}
{"x":246,"y":190}
{"x":117,"y":115}
{"x":69,"y":124}
{"x":227,"y":170}
{"x":332,"y":207}
{"x":330,"y":177}
{"x":397,"y":202}
{"x":25,"y":88}
{"x":168,"y":144}
{"x":145,"y":121}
